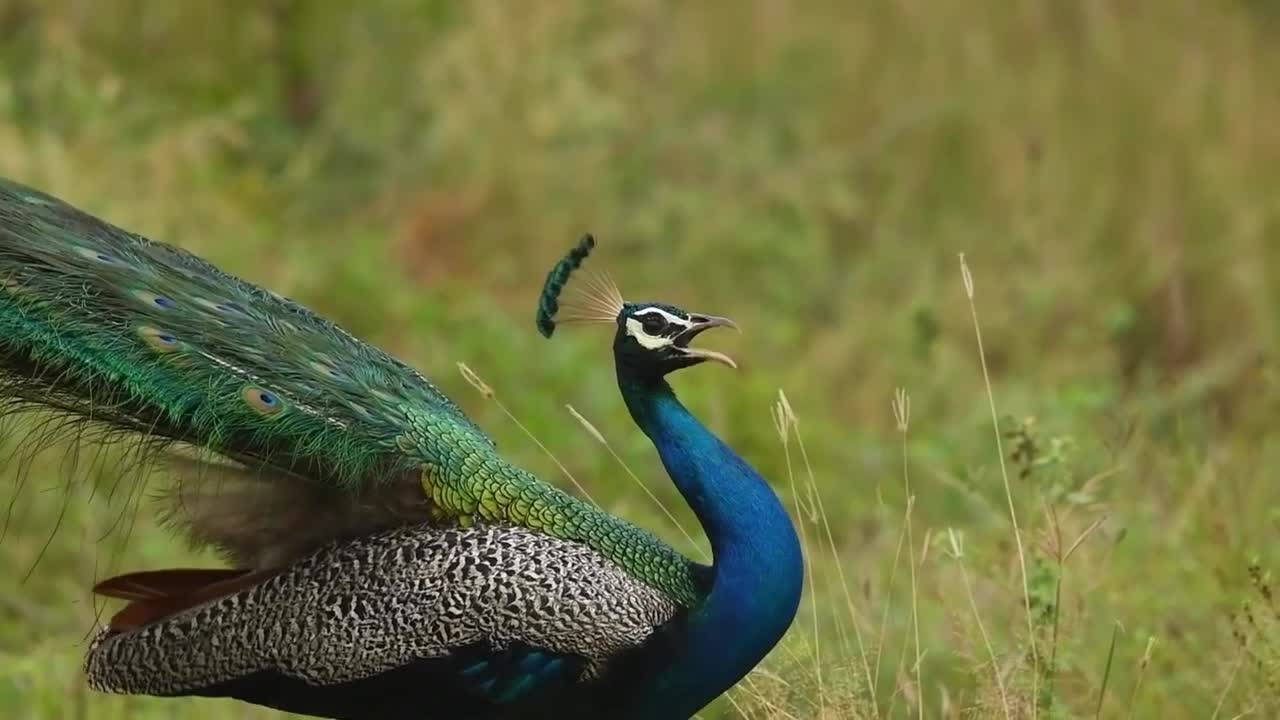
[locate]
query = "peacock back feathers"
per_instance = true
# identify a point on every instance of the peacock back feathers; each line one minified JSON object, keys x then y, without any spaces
{"x":160,"y":341}
{"x":314,"y":435}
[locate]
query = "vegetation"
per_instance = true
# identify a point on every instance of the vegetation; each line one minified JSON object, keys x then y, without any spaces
{"x":411,"y":167}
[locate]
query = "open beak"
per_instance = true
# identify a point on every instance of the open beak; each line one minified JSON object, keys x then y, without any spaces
{"x":700,"y":323}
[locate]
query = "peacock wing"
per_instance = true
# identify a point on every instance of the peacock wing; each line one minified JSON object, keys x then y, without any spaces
{"x":488,"y":621}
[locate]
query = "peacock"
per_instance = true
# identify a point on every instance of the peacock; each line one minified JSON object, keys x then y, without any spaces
{"x":384,"y":560}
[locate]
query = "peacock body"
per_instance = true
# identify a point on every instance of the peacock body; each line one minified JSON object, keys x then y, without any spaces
{"x":385,"y":560}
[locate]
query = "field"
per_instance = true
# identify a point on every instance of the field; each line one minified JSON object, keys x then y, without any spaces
{"x":1080,"y":516}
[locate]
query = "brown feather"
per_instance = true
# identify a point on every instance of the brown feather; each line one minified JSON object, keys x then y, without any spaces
{"x":267,"y":519}
{"x":153,"y":584}
{"x":158,"y":594}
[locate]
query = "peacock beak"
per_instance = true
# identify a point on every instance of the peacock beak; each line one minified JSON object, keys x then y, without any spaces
{"x":700,"y":323}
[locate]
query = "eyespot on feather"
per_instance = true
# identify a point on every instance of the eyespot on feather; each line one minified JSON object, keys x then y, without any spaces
{"x":153,"y":300}
{"x":98,"y":255}
{"x":264,"y":402}
{"x":159,"y":340}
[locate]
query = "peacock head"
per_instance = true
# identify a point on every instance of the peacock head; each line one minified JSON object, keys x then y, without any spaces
{"x":652,"y":339}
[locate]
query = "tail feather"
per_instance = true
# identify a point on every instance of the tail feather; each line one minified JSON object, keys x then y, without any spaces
{"x":127,"y":336}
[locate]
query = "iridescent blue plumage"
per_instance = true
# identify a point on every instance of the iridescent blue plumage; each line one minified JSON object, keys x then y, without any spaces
{"x":757,"y":565}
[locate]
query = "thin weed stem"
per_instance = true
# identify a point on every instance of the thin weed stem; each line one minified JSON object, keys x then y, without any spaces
{"x":884,"y":616}
{"x":1231,"y":679}
{"x":831,"y":544}
{"x":902,"y":661}
{"x":1106,"y":671}
{"x":1142,"y":671}
{"x":902,"y":413}
{"x":958,"y":552}
{"x":487,"y":391}
{"x":599,"y":436}
{"x":1008,"y":489}
{"x":782,"y":424}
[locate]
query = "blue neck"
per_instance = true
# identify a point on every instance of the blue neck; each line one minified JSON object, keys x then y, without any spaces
{"x":758,"y":569}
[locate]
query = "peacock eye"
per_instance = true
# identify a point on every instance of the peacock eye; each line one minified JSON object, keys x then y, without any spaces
{"x":159,"y":340}
{"x":263,"y":401}
{"x":653,"y":324}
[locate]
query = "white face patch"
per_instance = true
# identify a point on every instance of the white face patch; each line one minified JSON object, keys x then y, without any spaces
{"x":635,"y":328}
{"x":647,"y":341}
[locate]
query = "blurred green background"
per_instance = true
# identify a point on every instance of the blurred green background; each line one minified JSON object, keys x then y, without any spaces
{"x":812,"y":169}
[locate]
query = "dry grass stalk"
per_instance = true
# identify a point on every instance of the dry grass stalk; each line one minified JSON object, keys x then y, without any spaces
{"x":1008,"y":488}
{"x":488,"y":393}
{"x":902,"y":414}
{"x":782,"y":423}
{"x":957,"y":552}
{"x":784,"y":405}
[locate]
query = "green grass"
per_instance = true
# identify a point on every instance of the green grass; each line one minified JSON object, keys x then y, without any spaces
{"x":811,"y":170}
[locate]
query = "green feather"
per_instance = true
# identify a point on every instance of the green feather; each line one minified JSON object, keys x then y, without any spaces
{"x":114,"y":329}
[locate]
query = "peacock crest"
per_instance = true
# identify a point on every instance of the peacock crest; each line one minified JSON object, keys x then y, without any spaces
{"x":595,"y":300}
